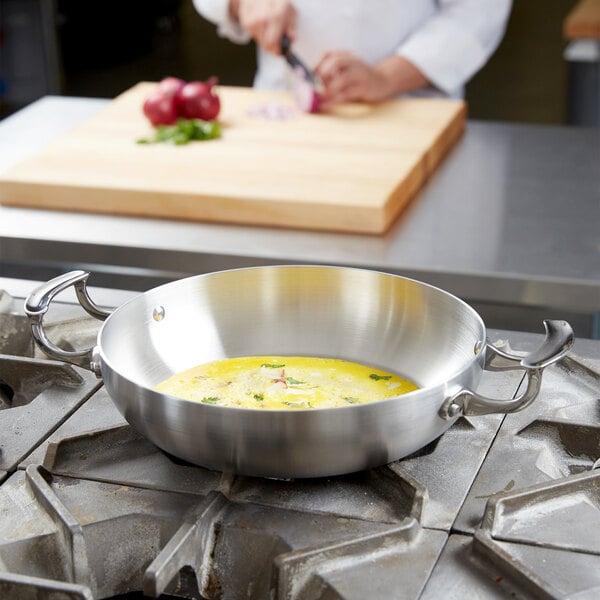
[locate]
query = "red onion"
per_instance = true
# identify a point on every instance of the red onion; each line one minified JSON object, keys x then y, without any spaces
{"x":170,"y":85}
{"x":197,"y":100}
{"x":160,"y":108}
{"x":306,"y":96}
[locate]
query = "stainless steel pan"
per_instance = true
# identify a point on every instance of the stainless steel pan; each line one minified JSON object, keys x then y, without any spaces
{"x":383,"y":320}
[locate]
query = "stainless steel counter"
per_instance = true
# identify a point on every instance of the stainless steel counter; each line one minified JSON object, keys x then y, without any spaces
{"x":510,"y":222}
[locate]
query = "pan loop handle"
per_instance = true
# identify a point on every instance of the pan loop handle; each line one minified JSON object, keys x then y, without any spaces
{"x":37,"y":305}
{"x":558,"y":341}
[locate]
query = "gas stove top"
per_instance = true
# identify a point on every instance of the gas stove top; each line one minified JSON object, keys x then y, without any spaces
{"x":497,"y":507}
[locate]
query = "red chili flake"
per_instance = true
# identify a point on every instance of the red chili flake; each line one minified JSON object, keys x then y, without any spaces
{"x":281,"y":378}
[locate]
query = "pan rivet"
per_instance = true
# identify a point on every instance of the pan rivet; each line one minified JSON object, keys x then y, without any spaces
{"x":454,"y":410}
{"x":478,"y":346}
{"x":158,"y":314}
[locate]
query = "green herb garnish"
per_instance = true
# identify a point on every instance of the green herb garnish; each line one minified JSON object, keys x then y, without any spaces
{"x":258,"y":397}
{"x":378,"y":377}
{"x":293,"y":381}
{"x":272,"y":366}
{"x":350,"y":399}
{"x":209,"y":400}
{"x":184,"y":131}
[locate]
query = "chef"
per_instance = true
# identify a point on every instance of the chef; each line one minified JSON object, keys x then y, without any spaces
{"x":367,"y":50}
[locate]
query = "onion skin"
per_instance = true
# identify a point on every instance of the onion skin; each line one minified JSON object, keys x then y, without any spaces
{"x":309,"y":101}
{"x":170,"y":85}
{"x":173,"y":98}
{"x":160,"y":108}
{"x":315,"y":103}
{"x":307,"y":97}
{"x":197,"y":100}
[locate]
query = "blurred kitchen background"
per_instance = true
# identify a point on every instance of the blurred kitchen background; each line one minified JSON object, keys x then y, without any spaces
{"x":100,"y":48}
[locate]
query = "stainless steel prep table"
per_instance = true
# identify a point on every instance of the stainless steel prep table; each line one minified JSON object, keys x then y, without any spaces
{"x":511,"y":223}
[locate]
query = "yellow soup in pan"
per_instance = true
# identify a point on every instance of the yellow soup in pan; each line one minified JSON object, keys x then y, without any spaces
{"x":284,"y":382}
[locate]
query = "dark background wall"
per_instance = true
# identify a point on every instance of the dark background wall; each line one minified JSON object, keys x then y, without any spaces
{"x":526,"y":79}
{"x":101,"y":47}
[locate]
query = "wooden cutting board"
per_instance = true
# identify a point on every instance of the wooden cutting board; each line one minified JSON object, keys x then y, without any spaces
{"x":352,"y":170}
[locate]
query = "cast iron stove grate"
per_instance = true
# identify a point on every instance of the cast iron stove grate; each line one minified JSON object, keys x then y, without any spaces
{"x":96,"y":511}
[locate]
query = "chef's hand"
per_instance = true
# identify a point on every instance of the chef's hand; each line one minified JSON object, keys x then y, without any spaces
{"x":346,"y":78}
{"x":267,"y":21}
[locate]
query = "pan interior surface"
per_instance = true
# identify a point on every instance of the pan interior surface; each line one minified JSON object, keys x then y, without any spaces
{"x":415,"y":330}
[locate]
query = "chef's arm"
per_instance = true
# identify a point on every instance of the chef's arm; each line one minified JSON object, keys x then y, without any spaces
{"x":266,"y":21}
{"x":400,"y":75}
{"x":444,"y":52}
{"x":223,"y":13}
{"x":453,"y":44}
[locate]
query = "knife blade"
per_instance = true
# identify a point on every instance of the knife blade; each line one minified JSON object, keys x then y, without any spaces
{"x":295,"y":62}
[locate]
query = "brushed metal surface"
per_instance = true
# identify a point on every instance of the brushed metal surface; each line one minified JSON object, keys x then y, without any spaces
{"x":510,"y":218}
{"x":391,"y":322}
{"x":374,"y":318}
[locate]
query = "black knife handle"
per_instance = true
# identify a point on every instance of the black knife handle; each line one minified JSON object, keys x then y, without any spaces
{"x":286,"y":44}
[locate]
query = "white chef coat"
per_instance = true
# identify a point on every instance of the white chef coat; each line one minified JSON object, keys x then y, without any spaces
{"x":447,"y":40}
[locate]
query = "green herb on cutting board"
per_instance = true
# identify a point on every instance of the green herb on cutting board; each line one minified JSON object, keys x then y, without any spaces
{"x":184,"y":131}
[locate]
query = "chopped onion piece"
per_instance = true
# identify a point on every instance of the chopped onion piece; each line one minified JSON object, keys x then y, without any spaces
{"x":272,"y":111}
